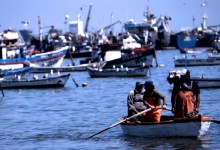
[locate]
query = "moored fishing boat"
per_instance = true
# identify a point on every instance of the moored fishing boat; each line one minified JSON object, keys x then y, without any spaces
{"x":35,"y":82}
{"x":138,"y":58}
{"x":186,"y":40}
{"x":180,"y":62}
{"x":168,"y":127}
{"x":52,"y":58}
{"x":196,"y":50}
{"x":116,"y":72}
{"x":14,"y":52}
{"x":205,"y":82}
{"x":133,"y":60}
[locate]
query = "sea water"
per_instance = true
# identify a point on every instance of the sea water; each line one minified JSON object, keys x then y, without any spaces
{"x":62,"y":118}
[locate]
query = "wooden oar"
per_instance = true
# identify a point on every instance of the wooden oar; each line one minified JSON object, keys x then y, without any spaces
{"x":121,"y":121}
{"x":216,"y":121}
{"x":212,"y":120}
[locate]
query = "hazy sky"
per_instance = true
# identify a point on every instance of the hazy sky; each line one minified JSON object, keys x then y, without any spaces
{"x":52,"y":12}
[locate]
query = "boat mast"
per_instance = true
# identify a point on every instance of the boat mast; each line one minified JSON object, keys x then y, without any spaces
{"x":40,"y":34}
{"x":205,"y":16}
{"x":193,"y":19}
{"x":147,"y":15}
{"x":148,"y":11}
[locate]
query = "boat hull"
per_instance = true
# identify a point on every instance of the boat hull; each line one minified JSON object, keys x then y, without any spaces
{"x":186,"y":41}
{"x":82,"y":67}
{"x":196,"y":62}
{"x":196,"y":50}
{"x":168,"y":128}
{"x":134,"y":60}
{"x":53,"y":59}
{"x":207,"y":82}
{"x":50,"y":82}
{"x":122,"y":72}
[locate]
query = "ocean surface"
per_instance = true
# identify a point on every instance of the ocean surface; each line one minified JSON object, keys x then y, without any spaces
{"x":61,"y":118}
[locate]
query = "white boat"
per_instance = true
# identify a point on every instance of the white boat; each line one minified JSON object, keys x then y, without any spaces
{"x":35,"y":82}
{"x":117,"y":72}
{"x":52,"y":58}
{"x":168,"y":127}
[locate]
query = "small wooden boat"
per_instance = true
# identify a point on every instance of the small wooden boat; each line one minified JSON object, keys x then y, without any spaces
{"x":196,"y":50}
{"x":205,"y":82}
{"x":116,"y":72}
{"x":44,"y":82}
{"x":168,"y":127}
{"x":197,"y":61}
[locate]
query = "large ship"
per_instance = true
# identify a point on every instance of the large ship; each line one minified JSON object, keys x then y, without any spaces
{"x":151,"y":30}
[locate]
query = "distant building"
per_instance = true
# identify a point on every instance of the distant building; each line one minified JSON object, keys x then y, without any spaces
{"x":76,"y":27}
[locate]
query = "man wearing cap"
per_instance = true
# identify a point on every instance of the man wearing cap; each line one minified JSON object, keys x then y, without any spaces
{"x":152,"y":99}
{"x":135,"y":102}
{"x":185,"y":96}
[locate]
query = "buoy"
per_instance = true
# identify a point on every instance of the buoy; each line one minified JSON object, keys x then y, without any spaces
{"x":84,"y":84}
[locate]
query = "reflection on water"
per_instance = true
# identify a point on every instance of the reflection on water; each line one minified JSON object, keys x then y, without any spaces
{"x":167,"y":143}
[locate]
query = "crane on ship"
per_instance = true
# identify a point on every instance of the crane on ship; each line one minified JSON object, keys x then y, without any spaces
{"x":108,"y":27}
{"x":88,"y":18}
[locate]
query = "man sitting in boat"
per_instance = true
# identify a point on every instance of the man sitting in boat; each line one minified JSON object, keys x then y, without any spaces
{"x":135,"y":102}
{"x":185,"y":97}
{"x":152,"y":99}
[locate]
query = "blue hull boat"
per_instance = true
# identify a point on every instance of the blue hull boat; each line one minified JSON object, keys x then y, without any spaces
{"x":186,"y":41}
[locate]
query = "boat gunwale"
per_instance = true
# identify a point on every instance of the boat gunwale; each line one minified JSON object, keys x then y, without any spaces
{"x":171,"y":120}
